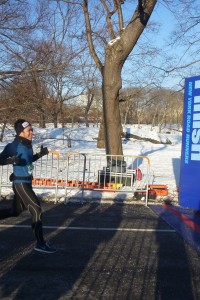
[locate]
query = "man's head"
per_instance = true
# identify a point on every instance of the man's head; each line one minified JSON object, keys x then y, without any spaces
{"x":24,"y":128}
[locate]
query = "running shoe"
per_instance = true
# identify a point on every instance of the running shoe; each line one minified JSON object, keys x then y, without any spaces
{"x":44,"y":248}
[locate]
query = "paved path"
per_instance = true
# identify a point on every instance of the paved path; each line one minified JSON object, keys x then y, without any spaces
{"x":185,"y":221}
{"x":104,"y":252}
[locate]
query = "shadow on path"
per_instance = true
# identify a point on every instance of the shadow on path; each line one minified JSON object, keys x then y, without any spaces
{"x":29,"y":275}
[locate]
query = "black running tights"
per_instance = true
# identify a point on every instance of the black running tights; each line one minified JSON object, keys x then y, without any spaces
{"x":25,"y":198}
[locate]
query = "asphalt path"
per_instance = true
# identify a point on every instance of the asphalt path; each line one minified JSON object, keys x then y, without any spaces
{"x":104,"y":252}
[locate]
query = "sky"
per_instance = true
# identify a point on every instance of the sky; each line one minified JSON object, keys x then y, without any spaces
{"x":164,"y":158}
{"x":162,"y":14}
{"x":166,"y":23}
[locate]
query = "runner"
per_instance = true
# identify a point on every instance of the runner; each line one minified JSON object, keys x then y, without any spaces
{"x":19,"y":153}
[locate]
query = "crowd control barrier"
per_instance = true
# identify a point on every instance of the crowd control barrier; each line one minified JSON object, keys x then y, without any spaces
{"x":114,"y":173}
{"x":45,"y":173}
{"x":80,"y":171}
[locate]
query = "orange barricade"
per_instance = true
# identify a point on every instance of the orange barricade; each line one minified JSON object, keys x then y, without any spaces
{"x":160,"y":189}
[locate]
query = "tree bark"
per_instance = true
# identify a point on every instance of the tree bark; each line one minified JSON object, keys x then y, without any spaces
{"x":101,"y":136}
{"x":2,"y":132}
{"x":111,"y":111}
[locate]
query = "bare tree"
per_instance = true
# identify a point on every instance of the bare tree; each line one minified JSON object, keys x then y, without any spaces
{"x":42,"y":65}
{"x":118,"y":38}
{"x":180,"y":56}
{"x":90,"y":84}
{"x":18,"y":21}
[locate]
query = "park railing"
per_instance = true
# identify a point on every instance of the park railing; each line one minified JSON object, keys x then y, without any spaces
{"x":45,"y":173}
{"x":83,"y":172}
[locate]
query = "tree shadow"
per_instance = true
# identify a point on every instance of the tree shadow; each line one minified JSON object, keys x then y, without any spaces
{"x":137,"y":162}
{"x":29,"y":275}
{"x":175,"y":163}
{"x":96,"y":259}
{"x":176,"y":167}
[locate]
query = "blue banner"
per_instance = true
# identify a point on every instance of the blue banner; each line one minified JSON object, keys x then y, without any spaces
{"x":189,"y":195}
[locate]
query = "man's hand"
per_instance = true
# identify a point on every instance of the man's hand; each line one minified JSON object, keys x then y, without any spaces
{"x":43,"y":151}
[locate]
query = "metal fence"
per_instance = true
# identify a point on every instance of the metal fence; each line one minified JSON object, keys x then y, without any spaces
{"x":107,"y":173}
{"x":82,"y":172}
{"x":45,"y":173}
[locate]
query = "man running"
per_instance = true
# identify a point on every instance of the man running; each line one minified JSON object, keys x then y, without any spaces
{"x":19,"y":153}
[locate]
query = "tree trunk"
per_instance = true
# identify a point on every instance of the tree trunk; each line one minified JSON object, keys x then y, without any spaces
{"x":2,"y":132}
{"x":112,"y":119}
{"x":116,"y":53}
{"x":86,"y":118}
{"x":42,"y":122}
{"x":55,"y":121}
{"x":101,"y":136}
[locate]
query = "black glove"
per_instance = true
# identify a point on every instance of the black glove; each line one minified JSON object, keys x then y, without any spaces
{"x":43,"y":151}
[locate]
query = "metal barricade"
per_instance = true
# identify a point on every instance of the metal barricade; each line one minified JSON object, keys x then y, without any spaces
{"x":95,"y":172}
{"x":45,"y":173}
{"x":75,"y":172}
{"x":114,"y":173}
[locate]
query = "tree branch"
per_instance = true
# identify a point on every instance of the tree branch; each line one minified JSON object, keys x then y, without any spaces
{"x":120,"y":15}
{"x":108,"y":18}
{"x":89,"y":36}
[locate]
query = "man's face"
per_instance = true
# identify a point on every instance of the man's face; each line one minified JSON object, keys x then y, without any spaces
{"x":27,"y":133}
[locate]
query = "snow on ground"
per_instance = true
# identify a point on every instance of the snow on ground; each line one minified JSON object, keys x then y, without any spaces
{"x":164,"y":158}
